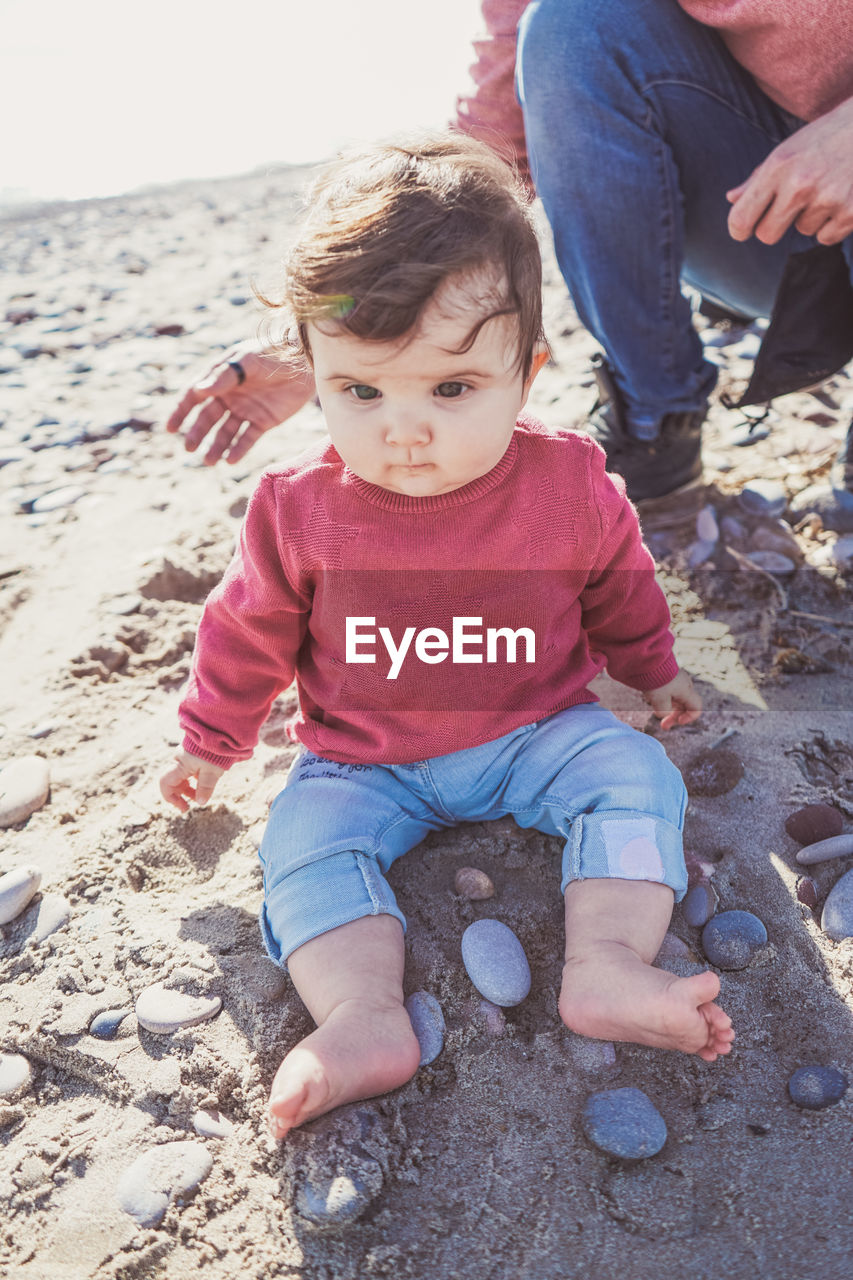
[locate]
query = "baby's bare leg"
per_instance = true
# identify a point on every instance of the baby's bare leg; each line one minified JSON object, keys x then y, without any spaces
{"x":610,"y":990}
{"x":351,"y":980}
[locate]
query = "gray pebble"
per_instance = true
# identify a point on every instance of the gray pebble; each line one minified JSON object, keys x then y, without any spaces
{"x":772,"y":562}
{"x":837,"y":916}
{"x":163,"y":1011}
{"x":428,"y":1024}
{"x":776,"y":537}
{"x":624,"y":1123}
{"x":24,"y":787}
{"x":700,"y":551}
{"x":16,"y":889}
{"x":817,"y":1087}
{"x":495,"y":962}
{"x":763,"y":498}
{"x":699,"y":904}
{"x":823,"y":850}
{"x":834,"y":506}
{"x":159,"y":1177}
{"x":731,"y":939}
{"x":15,"y":1074}
{"x":732,"y":529}
{"x":53,"y":912}
{"x":707,"y":529}
{"x":105,"y":1025}
{"x":337,"y":1201}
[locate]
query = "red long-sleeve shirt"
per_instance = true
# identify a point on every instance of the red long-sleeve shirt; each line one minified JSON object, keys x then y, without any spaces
{"x":544,"y":546}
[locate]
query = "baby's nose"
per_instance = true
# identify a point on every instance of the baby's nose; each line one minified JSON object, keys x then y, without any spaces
{"x":408,"y":429}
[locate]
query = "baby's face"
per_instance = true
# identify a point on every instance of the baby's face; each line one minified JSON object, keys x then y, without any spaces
{"x":414,"y":417}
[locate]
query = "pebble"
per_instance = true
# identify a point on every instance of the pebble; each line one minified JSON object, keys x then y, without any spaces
{"x":53,"y":912}
{"x":731,"y":939}
{"x":772,"y":562}
{"x":732,"y":529}
{"x":428,"y":1024}
{"x":834,"y":506}
{"x":817,"y":1087}
{"x":713,"y":773}
{"x":473,"y":884}
{"x":837,"y":917}
{"x":674,"y":948}
{"x":24,"y":787}
{"x":105,"y":1025}
{"x":698,"y":869}
{"x":841,"y":552}
{"x":700,"y":551}
{"x":707,"y":529}
{"x":763,"y":498}
{"x":495,"y":962}
{"x":56,"y":499}
{"x":776,"y":537}
{"x":212,"y":1124}
{"x":15,"y":1074}
{"x":807,"y":891}
{"x":493,"y":1017}
{"x":823,"y":850}
{"x":814,"y":822}
{"x":163,"y":1011}
{"x":340,"y":1200}
{"x":624,"y":1123}
{"x":699,"y":904}
{"x":16,"y":889}
{"x":159,"y":1177}
{"x":44,"y":730}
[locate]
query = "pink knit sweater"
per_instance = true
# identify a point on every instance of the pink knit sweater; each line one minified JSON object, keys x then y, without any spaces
{"x":332,"y":573}
{"x":799,"y":51}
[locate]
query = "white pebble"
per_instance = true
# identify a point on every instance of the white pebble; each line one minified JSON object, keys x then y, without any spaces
{"x":163,"y":1011}
{"x":16,"y":889}
{"x":24,"y":787}
{"x":58,"y":498}
{"x":53,"y":912}
{"x":212,"y":1124}
{"x":161,"y":1176}
{"x":15,"y":1074}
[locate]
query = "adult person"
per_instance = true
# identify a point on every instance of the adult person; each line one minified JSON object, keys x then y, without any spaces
{"x":706,"y":141}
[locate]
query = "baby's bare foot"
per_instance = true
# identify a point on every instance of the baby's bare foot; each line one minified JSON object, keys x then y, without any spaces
{"x":361,"y":1050}
{"x":613,"y":995}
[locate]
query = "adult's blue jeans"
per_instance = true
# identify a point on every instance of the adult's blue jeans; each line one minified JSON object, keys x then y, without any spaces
{"x":638,"y":121}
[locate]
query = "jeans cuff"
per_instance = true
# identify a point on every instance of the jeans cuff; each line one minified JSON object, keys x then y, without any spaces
{"x":625,"y":844}
{"x":321,"y":896}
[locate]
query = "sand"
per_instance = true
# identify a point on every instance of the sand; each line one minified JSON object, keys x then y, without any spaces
{"x":478,"y":1168}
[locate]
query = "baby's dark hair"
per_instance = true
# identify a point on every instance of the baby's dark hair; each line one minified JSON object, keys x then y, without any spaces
{"x":387,"y":226}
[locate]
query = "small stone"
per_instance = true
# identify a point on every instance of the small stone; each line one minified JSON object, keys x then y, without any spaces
{"x":834,"y":506}
{"x":16,"y":889}
{"x":104,"y":1026}
{"x":673,"y":948}
{"x":53,"y":912}
{"x":698,"y":869}
{"x":473,"y":884}
{"x":24,"y":787}
{"x":707,"y":529}
{"x":15,"y":1075}
{"x":763,"y":498}
{"x":44,"y":730}
{"x":837,"y":916}
{"x":624,"y":1123}
{"x":772,"y":562}
{"x":427,"y":1022}
{"x":817,"y":1087}
{"x":160,"y":1177}
{"x":732,"y":529}
{"x":209,"y":1123}
{"x":495,"y":962}
{"x":814,"y":822}
{"x":335,"y":1202}
{"x":776,"y":537}
{"x":164,"y":1011}
{"x":56,"y":499}
{"x":699,"y":904}
{"x":841,"y":552}
{"x":807,"y":891}
{"x":824,"y":850}
{"x":732,"y":939}
{"x":713,"y":773}
{"x":700,"y":551}
{"x":493,"y":1017}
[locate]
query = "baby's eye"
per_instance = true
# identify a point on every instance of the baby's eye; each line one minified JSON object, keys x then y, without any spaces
{"x":363,"y":392}
{"x":450,"y":390}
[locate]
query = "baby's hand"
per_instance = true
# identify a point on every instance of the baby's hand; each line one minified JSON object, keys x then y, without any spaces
{"x":675,"y":703}
{"x":175,"y":786}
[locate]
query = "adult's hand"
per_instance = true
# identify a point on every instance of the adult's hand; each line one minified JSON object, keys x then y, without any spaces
{"x":240,"y":411}
{"x":806,"y":181}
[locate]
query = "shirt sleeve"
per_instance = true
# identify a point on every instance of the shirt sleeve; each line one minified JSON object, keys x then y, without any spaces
{"x":250,"y":633}
{"x":624,"y":610}
{"x":489,"y":110}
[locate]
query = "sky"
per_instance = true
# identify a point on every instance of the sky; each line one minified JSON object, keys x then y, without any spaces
{"x":107,"y":96}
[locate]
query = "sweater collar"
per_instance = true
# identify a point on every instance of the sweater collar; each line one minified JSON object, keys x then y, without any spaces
{"x":403,"y":502}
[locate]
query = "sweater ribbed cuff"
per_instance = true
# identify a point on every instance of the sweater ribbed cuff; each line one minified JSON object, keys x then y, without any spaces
{"x":654,"y":679}
{"x":209,"y":757}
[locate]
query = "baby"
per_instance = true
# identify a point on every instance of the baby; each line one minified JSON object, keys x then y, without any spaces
{"x":444,"y":577}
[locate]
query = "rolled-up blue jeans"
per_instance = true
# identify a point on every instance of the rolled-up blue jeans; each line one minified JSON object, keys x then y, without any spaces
{"x":607,"y":790}
{"x":638,"y":121}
